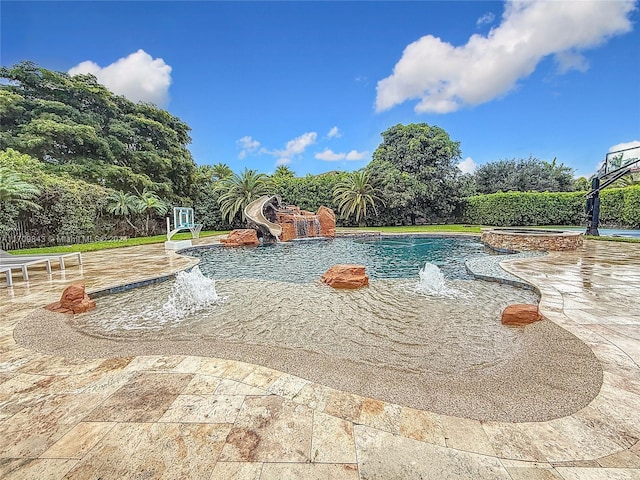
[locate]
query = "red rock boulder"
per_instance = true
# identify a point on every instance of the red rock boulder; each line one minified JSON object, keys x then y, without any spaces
{"x":288,"y":232}
{"x":520,"y":314}
{"x":327,"y":220}
{"x":346,"y":276}
{"x":241,"y":237}
{"x":74,"y":300}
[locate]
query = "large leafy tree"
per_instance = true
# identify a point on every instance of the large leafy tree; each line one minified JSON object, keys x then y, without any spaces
{"x":238,"y":190}
{"x":73,"y":124}
{"x":355,"y":194}
{"x":524,"y":175}
{"x":415,"y":166}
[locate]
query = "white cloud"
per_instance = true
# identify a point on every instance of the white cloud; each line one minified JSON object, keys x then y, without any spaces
{"x":138,"y":77}
{"x":467,"y":165}
{"x":298,"y":144}
{"x":294,"y":147}
{"x":334,"y":133}
{"x":445,"y":78}
{"x":283,"y":161}
{"x":623,"y":146}
{"x":486,"y":19}
{"x":354,"y":155}
{"x":331,"y":156}
{"x":570,"y":60}
{"x":248,"y":143}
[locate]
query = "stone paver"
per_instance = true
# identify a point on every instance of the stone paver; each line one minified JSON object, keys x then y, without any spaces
{"x":180,"y":416}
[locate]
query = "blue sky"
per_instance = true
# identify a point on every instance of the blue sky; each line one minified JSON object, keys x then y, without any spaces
{"x":312,"y":85}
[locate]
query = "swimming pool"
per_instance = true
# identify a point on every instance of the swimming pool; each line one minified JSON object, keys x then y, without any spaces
{"x":306,"y":261}
{"x":388,"y":340}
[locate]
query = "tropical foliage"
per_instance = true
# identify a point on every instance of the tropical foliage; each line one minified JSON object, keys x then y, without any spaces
{"x":74,"y":125}
{"x":220,"y":171}
{"x":15,"y":191}
{"x":239,"y":190}
{"x":127,"y":205}
{"x":354,"y":194}
{"x":80,"y":163}
{"x":524,"y":175}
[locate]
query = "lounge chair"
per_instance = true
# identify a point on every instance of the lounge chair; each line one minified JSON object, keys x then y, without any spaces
{"x":59,"y":257}
{"x":13,"y":264}
{"x":7,"y":272}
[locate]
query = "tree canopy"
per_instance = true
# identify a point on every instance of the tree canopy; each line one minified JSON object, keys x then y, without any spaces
{"x":73,"y":124}
{"x":415,"y":167}
{"x":524,"y":175}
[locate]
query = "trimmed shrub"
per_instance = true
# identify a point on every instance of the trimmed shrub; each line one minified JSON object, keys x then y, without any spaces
{"x":618,"y":207}
{"x":631,"y":207}
{"x":526,"y":208}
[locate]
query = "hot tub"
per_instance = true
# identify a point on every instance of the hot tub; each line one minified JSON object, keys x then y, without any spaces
{"x":519,"y":239}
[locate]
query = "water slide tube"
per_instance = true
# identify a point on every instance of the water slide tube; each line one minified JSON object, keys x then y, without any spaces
{"x":254,"y":213}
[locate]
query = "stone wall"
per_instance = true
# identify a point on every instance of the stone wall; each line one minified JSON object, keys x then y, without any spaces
{"x":519,"y":241}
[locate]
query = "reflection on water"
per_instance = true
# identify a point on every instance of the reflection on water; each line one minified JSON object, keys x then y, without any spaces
{"x":387,"y":324}
{"x":303,"y":262}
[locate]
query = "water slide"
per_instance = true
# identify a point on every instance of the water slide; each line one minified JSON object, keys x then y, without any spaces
{"x":254,"y":212}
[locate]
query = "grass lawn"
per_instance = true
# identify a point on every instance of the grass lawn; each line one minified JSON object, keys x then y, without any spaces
{"x":419,"y":228}
{"x":130,"y":242}
{"x":126,"y":242}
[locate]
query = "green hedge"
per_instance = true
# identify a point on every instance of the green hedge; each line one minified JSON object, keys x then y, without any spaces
{"x":619,"y":207}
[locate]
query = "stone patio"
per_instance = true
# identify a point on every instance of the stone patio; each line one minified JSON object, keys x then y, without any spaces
{"x":187,"y":417}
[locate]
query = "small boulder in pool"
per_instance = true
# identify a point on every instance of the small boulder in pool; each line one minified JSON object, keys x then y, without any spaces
{"x":346,"y":276}
{"x":74,"y":300}
{"x":520,"y":314}
{"x":241,"y":238}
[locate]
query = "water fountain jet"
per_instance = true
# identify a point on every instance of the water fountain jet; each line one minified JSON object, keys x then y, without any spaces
{"x":191,"y":292}
{"x":432,"y":282}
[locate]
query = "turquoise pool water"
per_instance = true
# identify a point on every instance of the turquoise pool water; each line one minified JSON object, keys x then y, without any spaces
{"x":306,"y":261}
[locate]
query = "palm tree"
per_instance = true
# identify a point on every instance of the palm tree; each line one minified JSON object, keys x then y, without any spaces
{"x":221,"y":171}
{"x":354,"y":194}
{"x":124,"y":204}
{"x":15,"y":190}
{"x":149,"y":203}
{"x":284,"y":171}
{"x":240,"y":190}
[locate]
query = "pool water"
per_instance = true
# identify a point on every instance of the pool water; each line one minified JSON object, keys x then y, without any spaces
{"x":304,"y":262}
{"x":272,"y":296}
{"x":393,"y":340}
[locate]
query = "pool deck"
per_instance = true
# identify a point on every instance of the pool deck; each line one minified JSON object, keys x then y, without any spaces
{"x":187,"y":417}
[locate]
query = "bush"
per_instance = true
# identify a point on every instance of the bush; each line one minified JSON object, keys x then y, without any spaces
{"x":630,"y":211}
{"x":526,"y":208}
{"x":70,"y":211}
{"x":619,"y":207}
